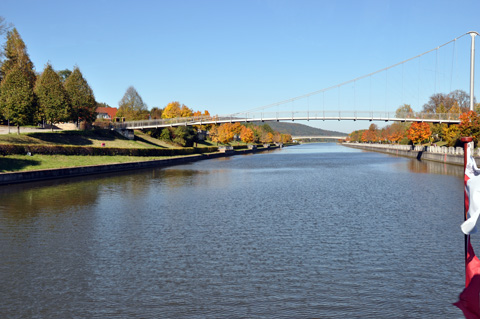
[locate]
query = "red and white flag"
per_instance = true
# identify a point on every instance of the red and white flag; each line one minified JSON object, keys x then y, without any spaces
{"x":469,"y":301}
{"x":472,"y":193}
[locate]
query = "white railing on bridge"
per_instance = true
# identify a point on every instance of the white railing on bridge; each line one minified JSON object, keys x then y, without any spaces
{"x":293,"y":116}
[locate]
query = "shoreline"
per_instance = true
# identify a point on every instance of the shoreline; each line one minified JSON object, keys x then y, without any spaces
{"x":57,"y":173}
{"x":421,"y":155}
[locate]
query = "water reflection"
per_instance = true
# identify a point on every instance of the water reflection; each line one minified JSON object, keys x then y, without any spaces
{"x":429,"y":167}
{"x":312,"y":234}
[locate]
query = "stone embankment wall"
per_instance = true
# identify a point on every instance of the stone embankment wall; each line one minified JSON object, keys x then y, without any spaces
{"x":448,"y":155}
{"x":30,"y":176}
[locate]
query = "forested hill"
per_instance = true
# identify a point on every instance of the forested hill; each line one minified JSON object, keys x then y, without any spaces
{"x":296,"y":129}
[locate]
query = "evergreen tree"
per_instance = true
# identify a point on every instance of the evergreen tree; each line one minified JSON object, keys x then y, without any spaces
{"x":52,"y":99}
{"x":16,"y":55}
{"x":4,"y":27}
{"x":17,"y":98}
{"x":131,"y":106}
{"x":80,"y":97}
{"x":64,"y":74}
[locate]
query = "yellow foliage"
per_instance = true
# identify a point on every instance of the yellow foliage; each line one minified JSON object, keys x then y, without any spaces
{"x":172,"y":110}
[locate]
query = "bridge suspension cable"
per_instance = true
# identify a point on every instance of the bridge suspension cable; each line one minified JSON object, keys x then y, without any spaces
{"x":369,"y":75}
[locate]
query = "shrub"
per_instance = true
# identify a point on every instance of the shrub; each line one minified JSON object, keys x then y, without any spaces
{"x":13,"y":149}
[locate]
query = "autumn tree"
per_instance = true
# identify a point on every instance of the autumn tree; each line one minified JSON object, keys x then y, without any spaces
{"x":462,"y":99}
{"x":404,"y":111}
{"x":52,"y":99}
{"x":246,"y":135}
{"x":225,"y":133}
{"x":442,"y":103}
{"x":198,"y":115}
{"x":455,"y":109}
{"x":470,"y":125}
{"x":356,"y":136}
{"x":17,"y":97}
{"x":156,"y":113}
{"x":451,"y":134}
{"x":267,"y":137}
{"x":131,"y":106}
{"x":277,"y":138}
{"x":396,"y":132}
{"x":370,"y":135}
{"x":236,"y":128}
{"x":185,"y":111}
{"x":419,"y":132}
{"x":174,"y":109}
{"x":80,"y":97}
{"x":286,"y":138}
{"x":213,"y":134}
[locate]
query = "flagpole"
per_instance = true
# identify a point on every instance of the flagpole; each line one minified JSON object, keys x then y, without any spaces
{"x":465,"y":141}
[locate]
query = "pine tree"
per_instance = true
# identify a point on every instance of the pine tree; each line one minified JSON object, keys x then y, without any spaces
{"x":16,"y":55}
{"x":17,"y":98}
{"x":80,"y":97}
{"x":51,"y":97}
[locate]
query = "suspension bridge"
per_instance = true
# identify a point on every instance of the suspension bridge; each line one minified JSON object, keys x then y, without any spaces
{"x":373,"y":97}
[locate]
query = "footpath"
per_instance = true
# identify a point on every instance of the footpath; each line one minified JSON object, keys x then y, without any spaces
{"x":441,"y":154}
{"x":38,"y":175}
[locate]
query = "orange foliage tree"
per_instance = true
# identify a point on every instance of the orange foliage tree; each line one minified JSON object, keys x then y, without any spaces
{"x":246,"y":135}
{"x":396,"y":132}
{"x":267,"y":137}
{"x":213,"y":133}
{"x":470,"y":125}
{"x":419,"y":132}
{"x":225,"y":133}
{"x":370,"y":135}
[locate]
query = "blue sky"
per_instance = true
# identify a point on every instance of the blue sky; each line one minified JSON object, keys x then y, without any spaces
{"x":229,"y":56}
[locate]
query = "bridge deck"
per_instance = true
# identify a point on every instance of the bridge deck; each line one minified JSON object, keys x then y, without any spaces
{"x":292,"y":116}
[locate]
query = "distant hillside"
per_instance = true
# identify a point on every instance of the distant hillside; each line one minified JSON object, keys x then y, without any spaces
{"x":296,"y":129}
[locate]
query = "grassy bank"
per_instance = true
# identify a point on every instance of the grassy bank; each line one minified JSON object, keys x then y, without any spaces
{"x":41,"y":150}
{"x":19,"y":163}
{"x":105,"y":140}
{"x":95,"y":138}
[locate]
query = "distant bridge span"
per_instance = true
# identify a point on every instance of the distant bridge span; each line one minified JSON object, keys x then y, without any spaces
{"x":447,"y":118}
{"x":319,"y":137}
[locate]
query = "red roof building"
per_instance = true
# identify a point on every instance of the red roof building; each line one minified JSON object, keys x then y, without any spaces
{"x":106,"y":113}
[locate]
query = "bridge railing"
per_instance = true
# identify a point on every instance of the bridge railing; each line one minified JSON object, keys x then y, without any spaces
{"x":345,"y":115}
{"x":292,"y":116}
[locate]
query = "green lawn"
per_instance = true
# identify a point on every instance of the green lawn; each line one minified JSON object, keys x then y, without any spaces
{"x":17,"y":163}
{"x":82,"y":138}
{"x":95,"y":138}
{"x":89,"y":138}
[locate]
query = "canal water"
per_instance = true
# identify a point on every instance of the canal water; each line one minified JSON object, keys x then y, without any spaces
{"x":310,"y":231}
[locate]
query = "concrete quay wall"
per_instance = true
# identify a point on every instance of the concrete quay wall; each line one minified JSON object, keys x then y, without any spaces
{"x":424,"y":155}
{"x":45,"y":174}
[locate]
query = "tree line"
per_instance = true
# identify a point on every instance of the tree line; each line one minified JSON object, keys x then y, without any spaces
{"x":223,"y":134}
{"x":28,"y":98}
{"x":456,"y":102}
